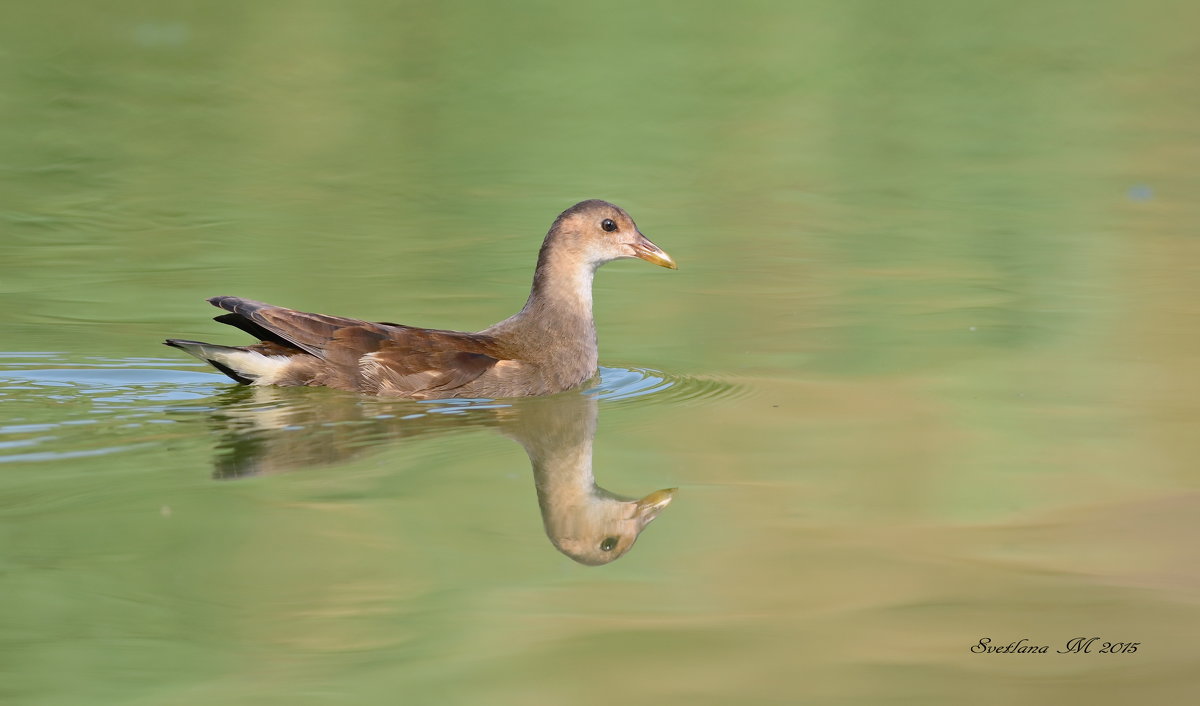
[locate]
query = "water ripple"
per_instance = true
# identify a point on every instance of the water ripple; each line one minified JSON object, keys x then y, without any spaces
{"x":120,"y":403}
{"x":622,"y":384}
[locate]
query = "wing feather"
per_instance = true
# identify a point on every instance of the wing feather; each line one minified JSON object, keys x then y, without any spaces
{"x":378,"y":357}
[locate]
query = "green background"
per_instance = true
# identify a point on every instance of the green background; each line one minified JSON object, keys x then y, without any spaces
{"x":928,"y":364}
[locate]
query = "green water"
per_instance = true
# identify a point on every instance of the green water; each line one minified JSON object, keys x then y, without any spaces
{"x":926,"y":374}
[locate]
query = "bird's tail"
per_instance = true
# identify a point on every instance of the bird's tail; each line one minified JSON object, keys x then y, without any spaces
{"x":227,"y":359}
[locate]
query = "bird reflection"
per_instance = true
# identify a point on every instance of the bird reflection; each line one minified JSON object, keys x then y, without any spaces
{"x":583,"y":520}
{"x":271,"y":430}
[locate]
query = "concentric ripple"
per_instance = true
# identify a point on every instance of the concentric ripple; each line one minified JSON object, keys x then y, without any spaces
{"x":624,"y":384}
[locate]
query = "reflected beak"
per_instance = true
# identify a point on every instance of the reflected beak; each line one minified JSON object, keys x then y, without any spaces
{"x":648,"y":507}
{"x":648,"y":251}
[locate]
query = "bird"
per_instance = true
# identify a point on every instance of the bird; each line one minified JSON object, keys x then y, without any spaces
{"x":549,"y":346}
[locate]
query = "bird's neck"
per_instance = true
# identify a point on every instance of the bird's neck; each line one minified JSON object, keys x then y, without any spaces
{"x":557,"y":317}
{"x":562,"y":289}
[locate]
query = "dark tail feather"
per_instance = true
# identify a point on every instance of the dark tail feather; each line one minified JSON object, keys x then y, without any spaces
{"x":205,"y":352}
{"x":238,"y":305}
{"x":259,"y":332}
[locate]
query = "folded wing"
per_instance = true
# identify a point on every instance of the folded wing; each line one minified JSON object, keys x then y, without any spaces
{"x":373,"y":357}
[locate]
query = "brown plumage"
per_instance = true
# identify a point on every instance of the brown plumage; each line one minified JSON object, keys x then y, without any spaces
{"x":547,"y":347}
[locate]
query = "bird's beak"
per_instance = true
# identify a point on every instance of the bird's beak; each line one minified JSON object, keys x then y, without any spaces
{"x":648,"y":507}
{"x":648,"y":251}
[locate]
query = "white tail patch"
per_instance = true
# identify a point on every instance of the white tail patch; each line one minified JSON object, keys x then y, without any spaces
{"x":261,"y":369}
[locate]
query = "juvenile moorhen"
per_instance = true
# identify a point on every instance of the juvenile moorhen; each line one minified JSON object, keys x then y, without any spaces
{"x":547,"y":347}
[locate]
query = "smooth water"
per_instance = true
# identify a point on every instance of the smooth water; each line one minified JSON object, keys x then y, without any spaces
{"x":927,"y":373}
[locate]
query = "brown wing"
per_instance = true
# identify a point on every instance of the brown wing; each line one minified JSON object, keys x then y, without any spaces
{"x":424,"y":363}
{"x":312,"y":333}
{"x":380,"y":357}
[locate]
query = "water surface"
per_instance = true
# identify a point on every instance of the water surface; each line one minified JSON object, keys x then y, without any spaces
{"x":926,"y":375}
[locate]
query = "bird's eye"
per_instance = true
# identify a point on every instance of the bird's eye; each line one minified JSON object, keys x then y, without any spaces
{"x":609,"y":226}
{"x":609,"y":542}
